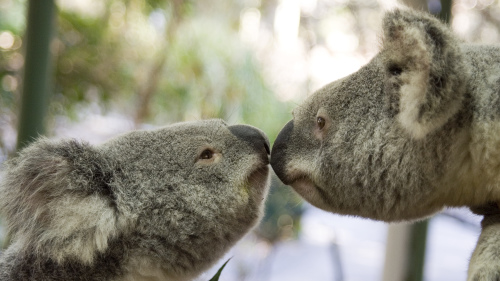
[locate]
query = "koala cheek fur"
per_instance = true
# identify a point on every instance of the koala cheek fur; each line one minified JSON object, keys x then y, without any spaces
{"x":296,"y":171}
{"x":149,"y":205}
{"x":413,"y":131}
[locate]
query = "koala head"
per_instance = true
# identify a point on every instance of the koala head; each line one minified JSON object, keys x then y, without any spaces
{"x":376,"y":143}
{"x":174,"y":198}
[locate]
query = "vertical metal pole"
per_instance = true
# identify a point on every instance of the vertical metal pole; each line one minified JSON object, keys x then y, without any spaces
{"x":397,"y":252}
{"x":405,"y":252}
{"x":37,"y":71}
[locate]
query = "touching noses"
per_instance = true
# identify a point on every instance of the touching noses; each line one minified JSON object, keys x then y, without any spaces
{"x":279,"y":153}
{"x":255,"y":137}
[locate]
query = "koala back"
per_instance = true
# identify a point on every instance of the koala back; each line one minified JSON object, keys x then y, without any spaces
{"x":54,"y":203}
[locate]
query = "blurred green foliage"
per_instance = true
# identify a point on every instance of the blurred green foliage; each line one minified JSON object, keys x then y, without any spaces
{"x":282,"y":215}
{"x":158,"y":61}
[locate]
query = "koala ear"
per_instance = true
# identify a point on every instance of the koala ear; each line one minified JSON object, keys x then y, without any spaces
{"x":58,"y":200}
{"x":425,"y":70}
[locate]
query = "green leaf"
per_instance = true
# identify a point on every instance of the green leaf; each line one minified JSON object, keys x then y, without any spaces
{"x":217,"y":275}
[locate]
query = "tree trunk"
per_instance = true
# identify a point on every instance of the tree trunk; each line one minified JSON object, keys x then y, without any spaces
{"x":37,"y":75}
{"x":37,"y":71}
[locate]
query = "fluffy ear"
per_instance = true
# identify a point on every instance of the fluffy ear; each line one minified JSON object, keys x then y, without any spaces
{"x":58,"y":200}
{"x":426,"y":73}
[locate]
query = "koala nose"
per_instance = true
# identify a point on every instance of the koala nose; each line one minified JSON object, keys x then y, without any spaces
{"x":278,"y":155}
{"x":254,"y":136}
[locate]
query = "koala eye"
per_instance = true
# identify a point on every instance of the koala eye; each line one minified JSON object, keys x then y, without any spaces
{"x":395,"y":70}
{"x":207,"y":154}
{"x":320,"y":121}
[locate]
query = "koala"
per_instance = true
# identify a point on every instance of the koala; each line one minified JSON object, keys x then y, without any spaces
{"x":414,"y":130}
{"x":163,"y":204}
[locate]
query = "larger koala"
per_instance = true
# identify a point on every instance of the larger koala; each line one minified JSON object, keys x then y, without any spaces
{"x":413,"y":131}
{"x":149,"y":205}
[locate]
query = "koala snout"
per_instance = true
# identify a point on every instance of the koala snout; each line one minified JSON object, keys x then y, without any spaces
{"x":257,"y":139}
{"x":278,"y":154}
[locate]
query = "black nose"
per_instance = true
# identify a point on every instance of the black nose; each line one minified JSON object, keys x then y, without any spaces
{"x":279,"y":153}
{"x":252,"y":135}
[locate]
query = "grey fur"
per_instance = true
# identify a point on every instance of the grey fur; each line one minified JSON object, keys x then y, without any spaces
{"x":143,"y":206}
{"x":413,"y":131}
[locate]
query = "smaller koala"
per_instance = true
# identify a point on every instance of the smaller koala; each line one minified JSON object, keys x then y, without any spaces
{"x":163,"y":204}
{"x":413,"y":131}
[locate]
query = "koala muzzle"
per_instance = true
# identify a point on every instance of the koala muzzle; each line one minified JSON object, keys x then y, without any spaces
{"x":278,"y":155}
{"x":255,"y":137}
